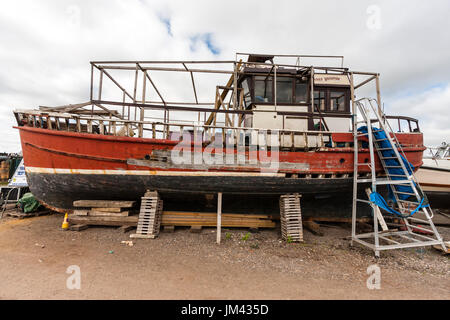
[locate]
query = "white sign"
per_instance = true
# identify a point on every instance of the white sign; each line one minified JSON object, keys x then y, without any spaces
{"x":331,"y":79}
{"x":19,"y":178}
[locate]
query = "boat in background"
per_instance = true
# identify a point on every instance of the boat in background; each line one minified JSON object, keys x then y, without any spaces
{"x":434,"y":176}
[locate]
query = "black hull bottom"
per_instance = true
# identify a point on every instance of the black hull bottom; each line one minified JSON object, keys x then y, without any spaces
{"x":320,"y":197}
{"x":439,"y":199}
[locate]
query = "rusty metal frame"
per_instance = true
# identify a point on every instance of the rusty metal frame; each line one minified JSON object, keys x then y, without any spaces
{"x":129,"y":101}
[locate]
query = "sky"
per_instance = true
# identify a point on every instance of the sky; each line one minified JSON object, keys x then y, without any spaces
{"x":46,"y":46}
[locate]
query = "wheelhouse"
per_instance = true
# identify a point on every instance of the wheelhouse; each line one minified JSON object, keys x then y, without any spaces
{"x":270,"y":90}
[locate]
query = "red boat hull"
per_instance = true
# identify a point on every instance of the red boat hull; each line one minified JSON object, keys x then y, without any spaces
{"x":66,"y":166}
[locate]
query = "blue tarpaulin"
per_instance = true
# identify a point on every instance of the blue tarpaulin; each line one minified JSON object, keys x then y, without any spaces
{"x":385,"y":144}
{"x":390,"y":153}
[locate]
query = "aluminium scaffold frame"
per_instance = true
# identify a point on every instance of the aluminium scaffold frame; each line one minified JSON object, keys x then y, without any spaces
{"x":410,"y":237}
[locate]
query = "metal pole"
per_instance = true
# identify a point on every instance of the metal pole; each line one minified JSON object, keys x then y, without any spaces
{"x":275,"y":86}
{"x":380,"y":111}
{"x":219,"y":216}
{"x":312,"y":95}
{"x":92,"y":82}
{"x":374,"y":184}
{"x":355,"y":157}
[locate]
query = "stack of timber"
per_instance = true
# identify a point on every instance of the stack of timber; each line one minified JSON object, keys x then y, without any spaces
{"x":179,"y":218}
{"x":103,"y":212}
{"x":149,"y":216}
{"x":291,"y":218}
{"x":209,"y":219}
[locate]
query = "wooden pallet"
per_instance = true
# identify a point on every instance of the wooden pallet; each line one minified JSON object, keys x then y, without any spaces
{"x":149,"y":221}
{"x":291,"y":218}
{"x":22,"y":215}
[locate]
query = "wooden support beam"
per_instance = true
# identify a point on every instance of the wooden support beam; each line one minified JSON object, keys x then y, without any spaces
{"x":196,"y":229}
{"x":222,"y":96}
{"x":378,"y":213}
{"x":169,"y":229}
{"x":313,"y":227}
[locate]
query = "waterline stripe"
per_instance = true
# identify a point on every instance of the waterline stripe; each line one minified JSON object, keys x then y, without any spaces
{"x":151,"y":172}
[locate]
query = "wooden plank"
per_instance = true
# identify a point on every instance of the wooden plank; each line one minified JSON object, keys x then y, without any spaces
{"x":214,"y":214}
{"x":95,"y":213}
{"x":104,"y":221}
{"x":169,"y":229}
{"x":78,"y":227}
{"x":218,"y":103}
{"x":109,"y":209}
{"x":224,"y":224}
{"x":196,"y":229}
{"x":378,"y":213}
{"x":313,"y":227}
{"x":103,"y":204}
{"x":132,"y":221}
{"x":125,"y":229}
{"x":244,"y":223}
{"x":80,"y":212}
{"x":143,"y":236}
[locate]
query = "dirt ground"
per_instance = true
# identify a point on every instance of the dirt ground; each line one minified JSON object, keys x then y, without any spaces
{"x":35,"y":253}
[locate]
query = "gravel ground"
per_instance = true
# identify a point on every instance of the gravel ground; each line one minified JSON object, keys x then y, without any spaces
{"x":35,"y":253}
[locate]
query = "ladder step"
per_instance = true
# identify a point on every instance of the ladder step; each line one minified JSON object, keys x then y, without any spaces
{"x":384,"y":149}
{"x":387,"y":158}
{"x":393,"y":182}
{"x":396,"y":175}
{"x":392,"y":166}
{"x":401,"y":192}
{"x":408,"y":210}
{"x":384,"y":139}
{"x":411,"y":202}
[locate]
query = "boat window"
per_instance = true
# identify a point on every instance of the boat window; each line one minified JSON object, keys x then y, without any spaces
{"x":337,"y":101}
{"x":247,"y":97}
{"x":284,"y":90}
{"x":319,"y":100}
{"x":263,"y":89}
{"x":301,"y":91}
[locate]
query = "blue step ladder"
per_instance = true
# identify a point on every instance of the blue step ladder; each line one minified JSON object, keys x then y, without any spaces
{"x":407,"y":198}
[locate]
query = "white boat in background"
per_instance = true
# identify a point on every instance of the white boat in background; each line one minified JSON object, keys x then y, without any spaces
{"x":434,"y":176}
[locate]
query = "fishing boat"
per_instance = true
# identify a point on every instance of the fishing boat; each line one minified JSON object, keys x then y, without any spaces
{"x":259,"y":126}
{"x":434,"y":176}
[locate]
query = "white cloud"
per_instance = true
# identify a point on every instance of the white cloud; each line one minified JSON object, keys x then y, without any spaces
{"x":432,"y":108}
{"x":46,"y":46}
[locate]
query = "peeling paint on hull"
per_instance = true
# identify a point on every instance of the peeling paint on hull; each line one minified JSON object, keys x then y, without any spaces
{"x":67,"y":166}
